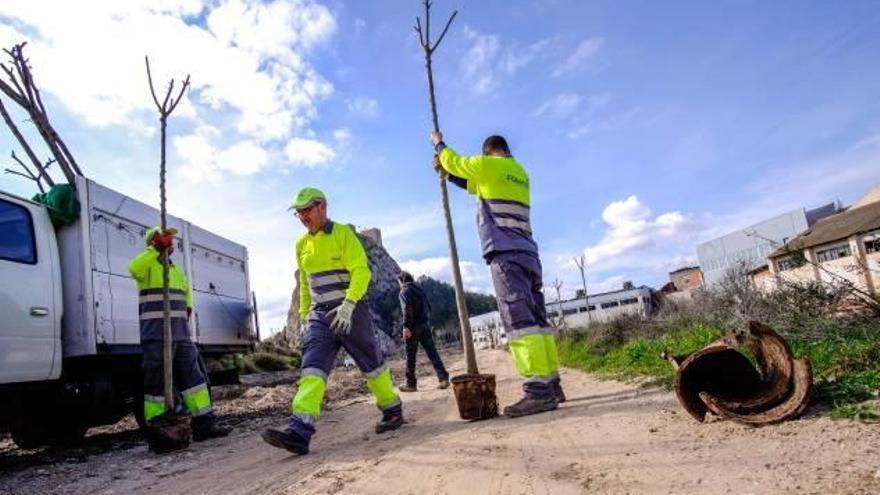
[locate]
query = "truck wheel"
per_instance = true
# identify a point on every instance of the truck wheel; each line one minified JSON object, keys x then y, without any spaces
{"x":138,"y":410}
{"x":67,"y":435}
{"x":27,"y":435}
{"x":30,"y":434}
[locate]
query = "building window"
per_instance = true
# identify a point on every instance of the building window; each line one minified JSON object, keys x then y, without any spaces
{"x":569,"y":311}
{"x":790,"y":262}
{"x":631,"y":300}
{"x":833,"y":253}
{"x":17,"y":241}
{"x":612,"y":304}
{"x":873,"y":245}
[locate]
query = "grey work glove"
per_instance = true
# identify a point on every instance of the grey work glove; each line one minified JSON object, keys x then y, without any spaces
{"x":342,"y":314}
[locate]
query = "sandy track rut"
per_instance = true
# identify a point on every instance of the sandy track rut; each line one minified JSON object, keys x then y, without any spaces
{"x":609,"y":438}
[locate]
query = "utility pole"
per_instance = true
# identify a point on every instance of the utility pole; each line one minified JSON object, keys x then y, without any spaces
{"x":581,"y":262}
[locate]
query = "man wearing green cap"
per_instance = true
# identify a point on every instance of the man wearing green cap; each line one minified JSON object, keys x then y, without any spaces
{"x":333,"y":277}
{"x":147,"y":270}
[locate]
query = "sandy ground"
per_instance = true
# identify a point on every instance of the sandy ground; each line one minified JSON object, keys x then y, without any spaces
{"x":608,"y":438}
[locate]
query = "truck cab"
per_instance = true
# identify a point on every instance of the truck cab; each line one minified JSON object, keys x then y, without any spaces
{"x":30,"y":297}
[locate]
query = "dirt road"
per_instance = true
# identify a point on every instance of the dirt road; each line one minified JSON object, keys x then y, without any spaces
{"x":609,"y":438}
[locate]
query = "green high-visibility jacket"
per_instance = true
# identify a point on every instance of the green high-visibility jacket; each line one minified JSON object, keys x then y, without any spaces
{"x":146,"y":269}
{"x":332,"y":267}
{"x":501,"y":185}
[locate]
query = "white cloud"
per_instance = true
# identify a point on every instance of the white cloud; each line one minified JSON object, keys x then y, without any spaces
{"x":205,"y":159}
{"x":571,"y":284}
{"x":486,"y":64}
{"x":308,"y":153}
{"x":612,"y":283}
{"x":844,"y":175}
{"x":248,"y":58}
{"x":342,"y":135}
{"x":477,"y":62}
{"x":363,"y":106}
{"x":560,"y":106}
{"x":475,"y":276}
{"x":580,"y":57}
{"x":634,"y":238}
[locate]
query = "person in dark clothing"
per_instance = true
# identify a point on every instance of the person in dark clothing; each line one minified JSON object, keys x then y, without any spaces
{"x":416,"y":310}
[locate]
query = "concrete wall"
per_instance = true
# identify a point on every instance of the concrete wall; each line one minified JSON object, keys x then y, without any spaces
{"x":862,"y":269}
{"x":848,"y":269}
{"x":764,"y":281}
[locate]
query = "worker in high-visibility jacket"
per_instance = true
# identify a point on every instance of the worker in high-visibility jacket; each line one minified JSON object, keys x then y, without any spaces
{"x":189,"y":379}
{"x":333,"y":278}
{"x":503,"y":218}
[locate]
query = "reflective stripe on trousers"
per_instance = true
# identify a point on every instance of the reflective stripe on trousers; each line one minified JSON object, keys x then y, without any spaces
{"x":154,"y":406}
{"x":535,"y":355}
{"x":320,"y":347}
{"x":379,"y":383}
{"x":197,"y":400}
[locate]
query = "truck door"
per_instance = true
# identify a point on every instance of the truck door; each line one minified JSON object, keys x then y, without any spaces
{"x":29,"y":325}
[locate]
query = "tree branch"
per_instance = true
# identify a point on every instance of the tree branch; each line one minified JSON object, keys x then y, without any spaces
{"x":30,"y":175}
{"x":24,"y":144}
{"x":180,"y":94}
{"x":26,"y":94}
{"x":446,"y":28}
{"x":150,"y":80}
{"x":418,"y":29}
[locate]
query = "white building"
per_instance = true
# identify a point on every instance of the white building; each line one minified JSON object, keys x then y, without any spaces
{"x":488,"y":329}
{"x":603,"y":307}
{"x":753,"y":244}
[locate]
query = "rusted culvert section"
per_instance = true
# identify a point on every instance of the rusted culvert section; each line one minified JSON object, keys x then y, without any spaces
{"x":720,"y":379}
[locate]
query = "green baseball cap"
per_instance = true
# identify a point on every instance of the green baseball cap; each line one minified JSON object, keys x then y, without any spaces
{"x":305,"y":197}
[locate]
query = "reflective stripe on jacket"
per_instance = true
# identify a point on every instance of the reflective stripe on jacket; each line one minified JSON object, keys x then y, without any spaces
{"x":502,"y":188}
{"x":147,"y":272}
{"x":332,"y":267}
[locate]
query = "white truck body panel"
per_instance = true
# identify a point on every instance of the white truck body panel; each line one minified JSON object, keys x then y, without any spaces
{"x":98,"y":296}
{"x":110,"y":231}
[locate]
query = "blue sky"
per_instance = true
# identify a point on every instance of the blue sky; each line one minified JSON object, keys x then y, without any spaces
{"x":646,"y":126}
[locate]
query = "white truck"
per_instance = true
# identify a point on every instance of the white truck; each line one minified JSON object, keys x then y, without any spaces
{"x":69,"y":337}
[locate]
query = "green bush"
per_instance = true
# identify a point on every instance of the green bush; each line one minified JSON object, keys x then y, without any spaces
{"x":270,"y":362}
{"x":640,"y":357}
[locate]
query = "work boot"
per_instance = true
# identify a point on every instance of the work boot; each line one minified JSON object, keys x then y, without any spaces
{"x":205,"y":428}
{"x":529,"y":405}
{"x":392,"y":419}
{"x":444,"y":384}
{"x":408,"y":388}
{"x":286,"y":439}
